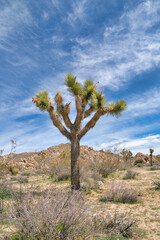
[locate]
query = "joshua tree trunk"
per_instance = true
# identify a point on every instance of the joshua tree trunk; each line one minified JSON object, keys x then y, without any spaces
{"x":151,"y":159}
{"x":75,"y":155}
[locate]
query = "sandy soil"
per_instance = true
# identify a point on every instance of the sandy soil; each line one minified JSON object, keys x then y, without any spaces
{"x":146,"y":211}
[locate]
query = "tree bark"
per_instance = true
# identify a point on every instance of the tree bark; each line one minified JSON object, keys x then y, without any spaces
{"x":151,"y":159}
{"x":75,"y":155}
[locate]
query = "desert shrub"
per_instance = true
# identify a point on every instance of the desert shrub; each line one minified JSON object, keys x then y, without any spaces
{"x":115,"y":227}
{"x":139,"y":161}
{"x":157,"y":184}
{"x":55,"y":215}
{"x":23,"y":179}
{"x":119,"y":192}
{"x":139,"y":165}
{"x":5,"y":193}
{"x":26,"y":173}
{"x":127,"y":157}
{"x":155,"y":167}
{"x":130,"y":174}
{"x":59,"y":168}
{"x":90,"y":180}
{"x":61,"y":175}
{"x":3,"y":168}
{"x":104,"y":165}
{"x":13,"y":170}
{"x":6,"y":189}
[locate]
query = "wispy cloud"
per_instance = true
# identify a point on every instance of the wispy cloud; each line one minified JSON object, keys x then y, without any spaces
{"x":146,"y":104}
{"x":144,"y":143}
{"x":128,"y":48}
{"x":78,"y":11}
{"x":12,"y":17}
{"x":141,"y":144}
{"x":55,"y":3}
{"x":45,"y":15}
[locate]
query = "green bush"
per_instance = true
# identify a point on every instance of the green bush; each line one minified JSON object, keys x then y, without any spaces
{"x":5,"y":190}
{"x":13,"y":170}
{"x":139,"y":161}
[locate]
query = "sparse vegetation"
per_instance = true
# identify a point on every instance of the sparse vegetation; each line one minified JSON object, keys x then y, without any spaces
{"x":155,"y":167}
{"x":157,"y":184}
{"x":139,"y":161}
{"x":104,"y":164}
{"x":13,"y":170}
{"x":127,"y":156}
{"x":33,"y":184}
{"x":119,"y":225}
{"x":90,"y":180}
{"x":55,"y":215}
{"x":119,"y":192}
{"x":130,"y":174}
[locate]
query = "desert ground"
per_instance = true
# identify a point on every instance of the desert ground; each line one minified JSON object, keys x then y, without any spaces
{"x":145,"y":210}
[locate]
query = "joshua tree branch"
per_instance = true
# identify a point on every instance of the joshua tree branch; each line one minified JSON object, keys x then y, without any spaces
{"x":93,"y":120}
{"x":80,"y":106}
{"x":64,"y":113}
{"x":57,"y":122}
{"x":90,"y":124}
{"x":88,"y":112}
{"x":64,"y":110}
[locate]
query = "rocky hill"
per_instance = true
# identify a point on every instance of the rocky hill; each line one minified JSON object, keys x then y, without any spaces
{"x":33,"y":159}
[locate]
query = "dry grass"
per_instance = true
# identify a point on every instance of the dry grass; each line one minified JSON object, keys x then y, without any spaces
{"x":53,"y":215}
{"x":130,"y":174}
{"x":118,"y":224}
{"x":120,"y":192}
{"x":146,"y":211}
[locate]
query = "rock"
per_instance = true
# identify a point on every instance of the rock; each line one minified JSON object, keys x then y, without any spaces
{"x":144,"y":157}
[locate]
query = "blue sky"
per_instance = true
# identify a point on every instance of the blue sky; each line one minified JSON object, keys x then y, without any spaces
{"x":114,"y":42}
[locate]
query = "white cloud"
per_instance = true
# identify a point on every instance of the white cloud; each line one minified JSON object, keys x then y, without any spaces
{"x":12,"y":17}
{"x":78,"y":11}
{"x":145,"y":104}
{"x":129,"y":48}
{"x":55,"y":3}
{"x":144,"y":143}
{"x":45,"y":15}
{"x":141,"y":144}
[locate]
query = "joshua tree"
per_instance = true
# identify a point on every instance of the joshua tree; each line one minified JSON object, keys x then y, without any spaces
{"x":151,"y":152}
{"x":86,"y":95}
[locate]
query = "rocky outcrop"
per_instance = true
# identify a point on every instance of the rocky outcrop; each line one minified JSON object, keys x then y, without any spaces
{"x":144,"y":157}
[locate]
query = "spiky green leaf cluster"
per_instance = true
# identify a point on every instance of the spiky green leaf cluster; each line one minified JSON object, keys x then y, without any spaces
{"x":59,"y":92}
{"x":73,"y":86}
{"x":88,"y":89}
{"x":118,"y":107}
{"x":97,"y":100}
{"x":151,"y":150}
{"x":43,"y":98}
